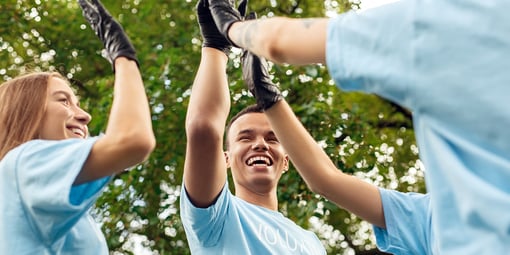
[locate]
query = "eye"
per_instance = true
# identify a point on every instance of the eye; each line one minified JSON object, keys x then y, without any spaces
{"x":272,"y":139}
{"x":64,"y":101}
{"x":244,"y":139}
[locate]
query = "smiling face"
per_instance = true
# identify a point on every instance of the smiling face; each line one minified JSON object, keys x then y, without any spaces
{"x":63,"y":118}
{"x":255,"y":156}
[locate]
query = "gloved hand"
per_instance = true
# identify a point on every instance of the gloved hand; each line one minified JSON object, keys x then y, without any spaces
{"x":108,"y":30}
{"x":210,"y":34}
{"x":256,"y":77}
{"x":224,"y":14}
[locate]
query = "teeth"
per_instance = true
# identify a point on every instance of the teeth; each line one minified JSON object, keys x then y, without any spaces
{"x":266,"y":161}
{"x":78,"y":132}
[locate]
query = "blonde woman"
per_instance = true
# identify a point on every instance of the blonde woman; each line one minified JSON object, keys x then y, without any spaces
{"x":51,"y":171}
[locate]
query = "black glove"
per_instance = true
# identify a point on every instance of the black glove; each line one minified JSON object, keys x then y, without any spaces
{"x":256,"y":78}
{"x":210,"y":34}
{"x":224,"y":14}
{"x":108,"y":30}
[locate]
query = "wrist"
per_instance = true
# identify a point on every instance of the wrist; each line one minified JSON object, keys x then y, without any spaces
{"x":232,"y":32}
{"x":122,"y":62}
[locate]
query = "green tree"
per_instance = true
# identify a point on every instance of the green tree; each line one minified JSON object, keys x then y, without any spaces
{"x":364,"y":135}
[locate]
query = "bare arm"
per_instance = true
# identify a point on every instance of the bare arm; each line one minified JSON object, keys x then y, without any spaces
{"x":128,"y":139}
{"x":319,"y":172}
{"x":205,"y":166}
{"x":283,"y":40}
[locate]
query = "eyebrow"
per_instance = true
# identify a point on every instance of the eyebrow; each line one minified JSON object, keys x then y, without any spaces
{"x":245,"y":131}
{"x":250,"y":131}
{"x":61,"y":92}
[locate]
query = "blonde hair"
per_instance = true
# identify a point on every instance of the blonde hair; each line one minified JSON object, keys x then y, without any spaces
{"x":22,"y":107}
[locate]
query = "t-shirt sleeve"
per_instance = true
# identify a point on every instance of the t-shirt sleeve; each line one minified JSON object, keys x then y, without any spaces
{"x":204,"y":226}
{"x":408,"y":223}
{"x":45,"y":172}
{"x":370,"y":51}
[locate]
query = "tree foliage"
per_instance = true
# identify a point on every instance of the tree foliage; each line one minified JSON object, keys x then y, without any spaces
{"x":364,"y":135}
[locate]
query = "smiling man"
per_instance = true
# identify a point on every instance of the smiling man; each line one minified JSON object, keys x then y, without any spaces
{"x":215,"y":220}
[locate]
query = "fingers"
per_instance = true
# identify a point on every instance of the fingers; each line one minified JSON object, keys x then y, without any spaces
{"x":203,"y":8}
{"x":91,"y":7}
{"x":252,"y":15}
{"x":203,"y":4}
{"x":243,"y":5}
{"x":89,"y":11}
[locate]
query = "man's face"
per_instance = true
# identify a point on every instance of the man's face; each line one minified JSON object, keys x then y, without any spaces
{"x":255,"y":156}
{"x":63,"y":117}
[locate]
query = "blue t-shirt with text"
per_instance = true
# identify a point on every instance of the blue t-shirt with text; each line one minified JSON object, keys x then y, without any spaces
{"x":234,"y":226}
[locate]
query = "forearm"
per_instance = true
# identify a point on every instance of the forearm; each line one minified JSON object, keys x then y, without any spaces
{"x":129,"y":138}
{"x":283,"y":40}
{"x":210,"y":97}
{"x":311,"y":161}
{"x":130,"y":113}
{"x":319,"y":172}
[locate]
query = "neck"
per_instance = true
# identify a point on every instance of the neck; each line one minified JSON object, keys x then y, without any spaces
{"x":267,"y":199}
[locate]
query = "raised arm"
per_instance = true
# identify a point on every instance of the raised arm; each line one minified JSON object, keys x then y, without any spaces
{"x":319,"y":172}
{"x":279,"y":39}
{"x":312,"y":163}
{"x":205,"y":169}
{"x":129,"y":138}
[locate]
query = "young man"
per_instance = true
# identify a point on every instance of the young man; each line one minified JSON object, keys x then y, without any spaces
{"x":447,"y":61}
{"x":215,"y":221}
{"x":395,"y":215}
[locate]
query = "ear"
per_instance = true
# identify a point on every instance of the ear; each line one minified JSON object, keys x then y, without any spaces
{"x":286,"y":163}
{"x":227,"y":161}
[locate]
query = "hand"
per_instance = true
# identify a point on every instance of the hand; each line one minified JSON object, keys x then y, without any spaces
{"x":225,"y":14}
{"x":108,"y":30}
{"x":210,"y":34}
{"x":256,"y":78}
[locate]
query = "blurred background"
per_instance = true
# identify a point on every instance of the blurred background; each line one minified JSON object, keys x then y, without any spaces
{"x":365,"y":135}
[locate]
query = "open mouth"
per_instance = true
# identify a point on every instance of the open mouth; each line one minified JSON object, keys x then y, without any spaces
{"x":259,"y":161}
{"x":78,"y":132}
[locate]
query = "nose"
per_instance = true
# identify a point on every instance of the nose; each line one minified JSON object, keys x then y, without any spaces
{"x":82,"y":116}
{"x":260,"y":145}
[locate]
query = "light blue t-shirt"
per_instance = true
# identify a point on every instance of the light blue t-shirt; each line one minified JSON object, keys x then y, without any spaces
{"x":448,"y":62}
{"x":408,"y":224}
{"x":233,"y":226}
{"x":40,"y":211}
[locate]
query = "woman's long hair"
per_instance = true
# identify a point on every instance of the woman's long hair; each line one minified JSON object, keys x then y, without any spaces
{"x":22,"y":107}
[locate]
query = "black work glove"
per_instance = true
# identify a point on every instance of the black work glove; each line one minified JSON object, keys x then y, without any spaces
{"x":224,"y":14}
{"x":256,"y":77}
{"x":210,"y":34}
{"x":110,"y":32}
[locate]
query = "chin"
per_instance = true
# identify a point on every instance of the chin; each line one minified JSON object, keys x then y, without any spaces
{"x":263,"y":181}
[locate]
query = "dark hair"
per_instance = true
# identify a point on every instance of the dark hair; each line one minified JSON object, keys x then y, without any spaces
{"x":248,"y":109}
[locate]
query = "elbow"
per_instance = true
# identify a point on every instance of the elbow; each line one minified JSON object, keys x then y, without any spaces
{"x":147,"y":146}
{"x":201,"y":130}
{"x":138,"y":145}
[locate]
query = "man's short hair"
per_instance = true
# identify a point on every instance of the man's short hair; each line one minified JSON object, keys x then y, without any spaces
{"x":248,"y":109}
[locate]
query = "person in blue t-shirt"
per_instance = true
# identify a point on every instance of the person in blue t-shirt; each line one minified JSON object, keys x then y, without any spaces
{"x":389,"y":211}
{"x":51,"y":172}
{"x":446,"y":61}
{"x":215,"y":220}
